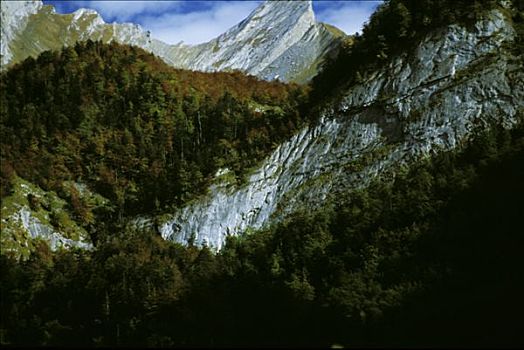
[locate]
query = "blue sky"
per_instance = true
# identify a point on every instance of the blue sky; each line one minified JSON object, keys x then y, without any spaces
{"x":198,"y":21}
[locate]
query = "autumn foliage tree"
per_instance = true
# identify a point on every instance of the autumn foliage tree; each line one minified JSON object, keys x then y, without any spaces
{"x":143,"y":134}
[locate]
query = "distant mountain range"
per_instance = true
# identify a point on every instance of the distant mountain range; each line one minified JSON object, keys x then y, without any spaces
{"x":278,"y":40}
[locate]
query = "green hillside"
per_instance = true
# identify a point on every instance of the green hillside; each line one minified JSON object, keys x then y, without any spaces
{"x":138,"y":132}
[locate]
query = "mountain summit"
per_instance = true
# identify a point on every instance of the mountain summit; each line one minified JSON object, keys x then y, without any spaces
{"x":278,"y":40}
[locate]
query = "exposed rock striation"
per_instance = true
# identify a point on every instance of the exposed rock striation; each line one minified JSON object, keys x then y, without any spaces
{"x":280,"y":39}
{"x":456,"y":80}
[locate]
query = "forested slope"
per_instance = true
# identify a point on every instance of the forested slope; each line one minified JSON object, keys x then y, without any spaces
{"x":135,"y":130}
{"x":432,"y":258}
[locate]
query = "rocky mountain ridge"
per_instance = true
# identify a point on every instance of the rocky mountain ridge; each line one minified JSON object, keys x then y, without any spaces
{"x":278,"y":40}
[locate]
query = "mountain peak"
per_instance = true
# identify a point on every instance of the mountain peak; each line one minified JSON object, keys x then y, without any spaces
{"x":282,"y":6}
{"x":14,"y":11}
{"x":288,"y":11}
{"x":268,"y":32}
{"x":15,"y":6}
{"x":278,"y":40}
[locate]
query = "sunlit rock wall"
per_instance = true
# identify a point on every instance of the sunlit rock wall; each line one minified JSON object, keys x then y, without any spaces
{"x":457,"y":80}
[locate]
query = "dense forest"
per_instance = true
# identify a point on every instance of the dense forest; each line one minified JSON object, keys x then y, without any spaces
{"x":430,"y":257}
{"x":142,"y":134}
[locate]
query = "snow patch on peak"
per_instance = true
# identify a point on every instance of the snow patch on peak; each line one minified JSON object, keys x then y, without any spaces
{"x":86,"y":12}
{"x":273,"y":15}
{"x":281,"y":7}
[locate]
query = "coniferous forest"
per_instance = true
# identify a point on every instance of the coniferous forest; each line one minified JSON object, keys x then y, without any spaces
{"x":432,"y":258}
{"x":429,"y":256}
{"x":141,"y":133}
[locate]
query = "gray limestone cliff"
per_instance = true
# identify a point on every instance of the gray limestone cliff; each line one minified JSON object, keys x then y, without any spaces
{"x":457,"y":80}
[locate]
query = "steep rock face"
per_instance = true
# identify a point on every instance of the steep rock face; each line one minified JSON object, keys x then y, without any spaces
{"x":457,"y":80}
{"x":280,"y":39}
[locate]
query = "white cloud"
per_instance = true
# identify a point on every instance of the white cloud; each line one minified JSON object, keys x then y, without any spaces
{"x":348,"y":16}
{"x":199,"y":26}
{"x":122,"y":11}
